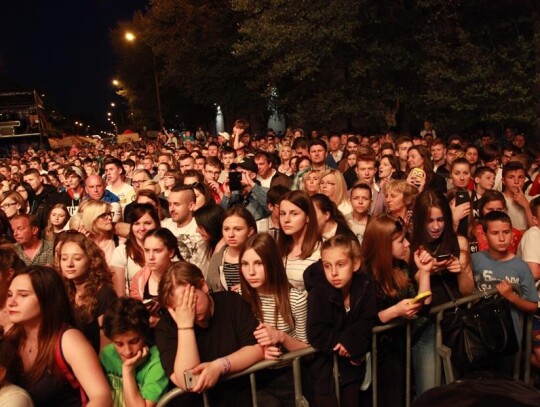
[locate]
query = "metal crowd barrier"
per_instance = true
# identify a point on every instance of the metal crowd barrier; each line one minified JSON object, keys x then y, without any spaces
{"x":523,"y":357}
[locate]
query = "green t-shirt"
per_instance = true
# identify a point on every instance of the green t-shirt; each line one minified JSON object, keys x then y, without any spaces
{"x":150,"y":377}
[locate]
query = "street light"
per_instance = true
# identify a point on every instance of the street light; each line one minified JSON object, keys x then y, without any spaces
{"x":115,"y":82}
{"x":130,"y":37}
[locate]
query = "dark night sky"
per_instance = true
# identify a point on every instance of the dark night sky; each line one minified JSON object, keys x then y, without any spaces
{"x":62,"y":49}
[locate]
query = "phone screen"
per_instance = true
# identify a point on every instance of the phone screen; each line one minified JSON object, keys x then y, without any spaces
{"x":234,"y":181}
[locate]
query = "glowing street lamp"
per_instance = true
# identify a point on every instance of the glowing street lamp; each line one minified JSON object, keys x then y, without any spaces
{"x":115,"y":82}
{"x":130,"y":37}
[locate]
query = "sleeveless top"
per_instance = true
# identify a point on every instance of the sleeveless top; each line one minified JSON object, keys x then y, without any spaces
{"x":53,"y":389}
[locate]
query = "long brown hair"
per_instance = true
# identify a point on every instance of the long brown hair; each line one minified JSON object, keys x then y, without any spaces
{"x":133,"y":250}
{"x":98,"y":274}
{"x":380,"y":232}
{"x":312,"y":237}
{"x":55,"y":313}
{"x":276,"y":282}
{"x":48,"y":233}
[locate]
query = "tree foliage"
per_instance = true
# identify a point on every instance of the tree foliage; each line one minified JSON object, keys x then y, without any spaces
{"x":338,"y":63}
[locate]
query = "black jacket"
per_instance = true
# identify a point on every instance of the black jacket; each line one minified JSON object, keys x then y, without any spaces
{"x":329,"y":324}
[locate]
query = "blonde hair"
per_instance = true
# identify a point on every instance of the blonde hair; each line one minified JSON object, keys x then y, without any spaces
{"x":340,"y":195}
{"x":409,"y":191}
{"x":152,"y":186}
{"x":92,"y":211}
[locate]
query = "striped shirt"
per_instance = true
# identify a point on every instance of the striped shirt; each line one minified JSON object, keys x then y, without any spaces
{"x":295,"y":268}
{"x":298,"y":302}
{"x":231,"y":272}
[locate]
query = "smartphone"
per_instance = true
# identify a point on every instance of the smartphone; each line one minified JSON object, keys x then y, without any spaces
{"x":423,"y":296}
{"x":462,"y":197}
{"x":443,"y":257}
{"x":234,"y":181}
{"x":190,"y":379}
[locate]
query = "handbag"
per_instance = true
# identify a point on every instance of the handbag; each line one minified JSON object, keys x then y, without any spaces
{"x":478,"y":334}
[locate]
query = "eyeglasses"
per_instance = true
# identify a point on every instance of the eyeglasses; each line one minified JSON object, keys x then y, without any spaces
{"x":105,"y":215}
{"x":7,"y":205}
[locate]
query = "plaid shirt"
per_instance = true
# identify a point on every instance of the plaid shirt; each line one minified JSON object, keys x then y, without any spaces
{"x":43,"y":257}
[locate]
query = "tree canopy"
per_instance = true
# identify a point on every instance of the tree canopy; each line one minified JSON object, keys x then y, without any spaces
{"x":338,"y":64}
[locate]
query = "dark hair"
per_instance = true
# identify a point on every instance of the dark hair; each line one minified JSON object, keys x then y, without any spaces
{"x":489,"y":153}
{"x":326,"y":205}
{"x":489,"y":196}
{"x":460,"y":160}
{"x":206,"y":191}
{"x":448,"y":243}
{"x":317,"y":142}
{"x":181,"y":188}
{"x":210,"y":218}
{"x":312,"y":238}
{"x":482,"y":170}
{"x":115,"y":161}
{"x":512,"y":166}
{"x":495,"y":216}
{"x":243,"y":213}
{"x":192,"y":173}
{"x":133,"y":250}
{"x":275,"y":194}
{"x":124,"y":315}
{"x":534,"y":205}
{"x":167,"y":238}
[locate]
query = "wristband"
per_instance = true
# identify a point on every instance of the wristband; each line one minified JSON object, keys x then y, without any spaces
{"x":226,"y":365}
{"x":185,"y":328}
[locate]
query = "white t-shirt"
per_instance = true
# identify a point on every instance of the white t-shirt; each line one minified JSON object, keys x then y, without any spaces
{"x":14,"y":396}
{"x":265,"y":182}
{"x":121,"y":259}
{"x":126,"y":193}
{"x":190,"y":242}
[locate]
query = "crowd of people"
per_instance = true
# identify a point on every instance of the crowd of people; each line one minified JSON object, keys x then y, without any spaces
{"x":130,"y":269}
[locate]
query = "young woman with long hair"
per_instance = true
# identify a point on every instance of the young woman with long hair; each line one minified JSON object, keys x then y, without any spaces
{"x":41,"y":314}
{"x":97,"y":220}
{"x":299,"y":239}
{"x":333,"y":185}
{"x":128,"y":258}
{"x":433,"y":230}
{"x":170,"y":179}
{"x":147,"y":196}
{"x":58,"y":219}
{"x":224,"y":269}
{"x":386,"y":234}
{"x":88,"y":283}
{"x":388,"y":169}
{"x":160,"y":248}
{"x":330,"y":220}
{"x":209,"y":220}
{"x":418,"y":157}
{"x":10,"y":262}
{"x":280,"y":309}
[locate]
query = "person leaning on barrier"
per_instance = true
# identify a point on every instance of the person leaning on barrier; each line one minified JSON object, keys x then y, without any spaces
{"x":395,"y":291}
{"x":207,"y":335}
{"x":498,"y":267}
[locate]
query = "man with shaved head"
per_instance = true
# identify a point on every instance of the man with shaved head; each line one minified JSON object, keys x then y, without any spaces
{"x":95,"y":189}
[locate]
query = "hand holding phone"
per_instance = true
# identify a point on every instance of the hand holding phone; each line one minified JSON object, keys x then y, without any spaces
{"x":421,"y":297}
{"x":443,"y":257}
{"x":190,"y":379}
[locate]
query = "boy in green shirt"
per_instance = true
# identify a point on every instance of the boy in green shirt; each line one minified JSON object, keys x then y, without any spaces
{"x":133,"y":369}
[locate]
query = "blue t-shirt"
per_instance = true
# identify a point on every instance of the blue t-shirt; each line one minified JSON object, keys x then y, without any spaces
{"x":489,"y":272}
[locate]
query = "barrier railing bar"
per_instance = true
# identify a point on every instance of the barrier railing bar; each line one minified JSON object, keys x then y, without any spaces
{"x":253,"y":382}
{"x":443,"y":353}
{"x":335,"y":371}
{"x":374,"y":369}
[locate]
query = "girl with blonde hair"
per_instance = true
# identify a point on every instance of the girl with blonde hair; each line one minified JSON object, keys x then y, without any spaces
{"x":333,"y":185}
